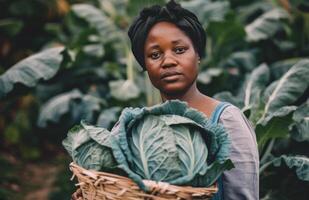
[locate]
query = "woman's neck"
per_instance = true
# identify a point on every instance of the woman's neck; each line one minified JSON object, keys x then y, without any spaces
{"x":192,"y":96}
{"x":195,"y":99}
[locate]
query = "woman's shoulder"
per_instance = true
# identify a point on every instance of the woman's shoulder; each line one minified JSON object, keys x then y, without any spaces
{"x":235,"y":121}
{"x":232,"y":113}
{"x":237,"y":125}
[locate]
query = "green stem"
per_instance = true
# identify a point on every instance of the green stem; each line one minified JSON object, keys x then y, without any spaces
{"x":209,"y":49}
{"x":130,"y":69}
{"x":263,"y":167}
{"x":268,"y":150}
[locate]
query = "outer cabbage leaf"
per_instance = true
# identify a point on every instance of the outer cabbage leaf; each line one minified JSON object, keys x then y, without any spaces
{"x":92,"y":155}
{"x":154,"y":150}
{"x":75,"y":138}
{"x":211,"y":174}
{"x":89,"y":147}
{"x":192,"y":151}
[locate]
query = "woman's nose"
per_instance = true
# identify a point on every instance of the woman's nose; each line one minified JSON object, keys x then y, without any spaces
{"x":169,"y":61}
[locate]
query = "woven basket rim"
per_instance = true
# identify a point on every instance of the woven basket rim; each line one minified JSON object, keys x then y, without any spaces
{"x":94,"y":178}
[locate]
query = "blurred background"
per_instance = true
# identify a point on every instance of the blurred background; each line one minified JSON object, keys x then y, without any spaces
{"x":66,"y":60}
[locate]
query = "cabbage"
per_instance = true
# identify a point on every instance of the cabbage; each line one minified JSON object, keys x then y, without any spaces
{"x":90,"y":147}
{"x":169,"y":142}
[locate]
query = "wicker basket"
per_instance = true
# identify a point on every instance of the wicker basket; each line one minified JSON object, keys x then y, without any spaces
{"x":106,"y":186}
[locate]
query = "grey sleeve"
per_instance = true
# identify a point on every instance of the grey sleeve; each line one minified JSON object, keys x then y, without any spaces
{"x":242,"y":182}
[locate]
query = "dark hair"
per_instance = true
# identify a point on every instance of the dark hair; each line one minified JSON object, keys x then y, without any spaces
{"x":171,"y":12}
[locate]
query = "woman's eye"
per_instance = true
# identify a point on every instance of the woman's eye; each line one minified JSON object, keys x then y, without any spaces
{"x":180,"y":50}
{"x":155,"y":55}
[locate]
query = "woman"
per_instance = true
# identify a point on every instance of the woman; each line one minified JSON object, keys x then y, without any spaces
{"x":168,"y":42}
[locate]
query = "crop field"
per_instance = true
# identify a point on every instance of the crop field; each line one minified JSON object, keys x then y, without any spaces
{"x":63,"y":61}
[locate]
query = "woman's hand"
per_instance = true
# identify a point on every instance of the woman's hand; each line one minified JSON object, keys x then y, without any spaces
{"x":77,"y":195}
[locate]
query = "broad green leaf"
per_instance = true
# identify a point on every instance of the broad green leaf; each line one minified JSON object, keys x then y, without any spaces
{"x":224,"y":37}
{"x":206,"y":76}
{"x":89,"y":147}
{"x":108,"y":117}
{"x":31,"y":70}
{"x":274,"y":126}
{"x":300,"y":131}
{"x":248,"y":12}
{"x":285,"y":46}
{"x":94,"y":50}
{"x":266,"y":25}
{"x":278,"y":69}
{"x":300,"y":163}
{"x":56,"y":107}
{"x":135,"y":6}
{"x":254,"y":85}
{"x":287,"y":89}
{"x":283,"y":111}
{"x":114,"y":8}
{"x":302,"y":112}
{"x":244,"y":61}
{"x":154,"y":150}
{"x":269,"y":90}
{"x":96,"y":20}
{"x":124,"y":90}
{"x":86,"y":108}
{"x":300,"y":128}
{"x":73,"y":103}
{"x":228,"y":97}
{"x":207,"y":10}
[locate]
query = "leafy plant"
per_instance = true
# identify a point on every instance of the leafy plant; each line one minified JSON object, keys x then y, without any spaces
{"x":166,"y":143}
{"x":152,"y":145}
{"x":90,"y":147}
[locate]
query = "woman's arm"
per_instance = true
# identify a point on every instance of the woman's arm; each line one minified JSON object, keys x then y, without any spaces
{"x":242,"y":182}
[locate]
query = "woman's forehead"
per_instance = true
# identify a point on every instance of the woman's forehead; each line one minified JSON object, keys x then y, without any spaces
{"x":162,"y":28}
{"x":166,"y":31}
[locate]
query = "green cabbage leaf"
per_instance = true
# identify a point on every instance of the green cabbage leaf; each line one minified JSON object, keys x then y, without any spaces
{"x":171,"y":142}
{"x":90,"y":147}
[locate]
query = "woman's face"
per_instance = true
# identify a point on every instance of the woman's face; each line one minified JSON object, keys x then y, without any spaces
{"x":170,"y":58}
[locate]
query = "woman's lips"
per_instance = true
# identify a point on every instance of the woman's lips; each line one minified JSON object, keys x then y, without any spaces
{"x":170,"y":75}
